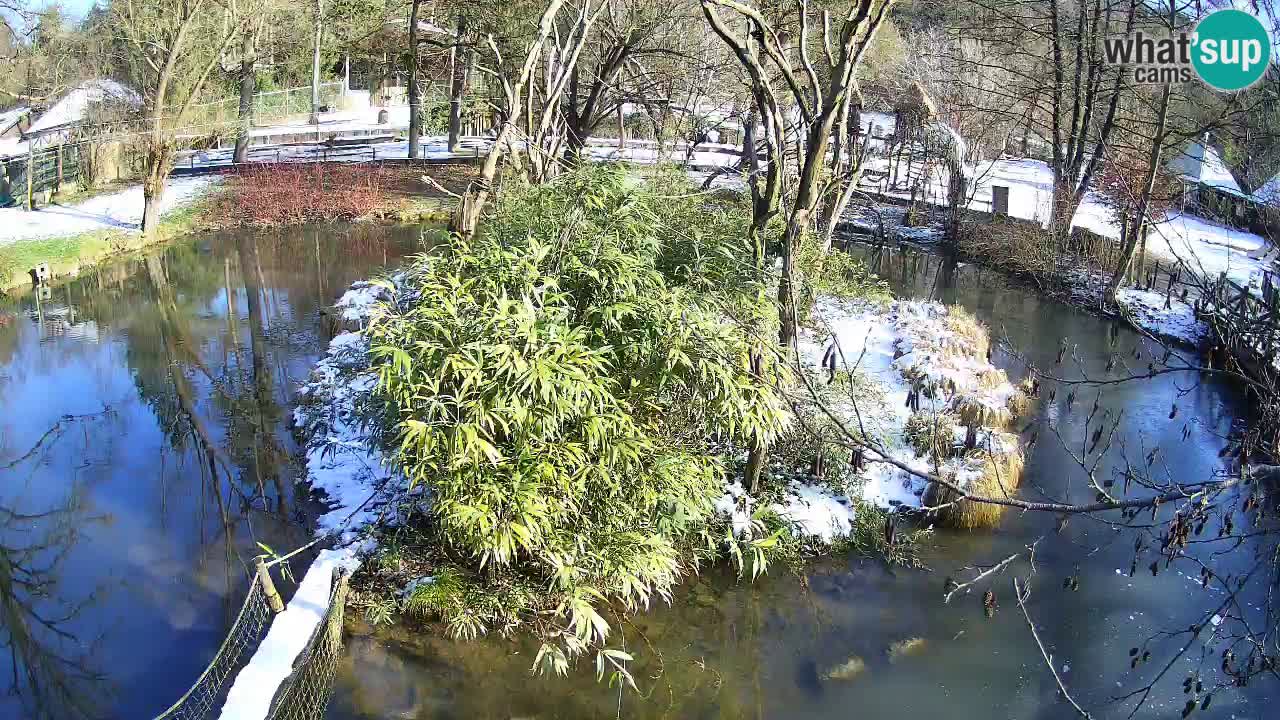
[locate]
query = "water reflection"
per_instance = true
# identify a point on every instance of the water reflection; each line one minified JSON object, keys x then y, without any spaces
{"x":145,"y":451}
{"x":728,"y":649}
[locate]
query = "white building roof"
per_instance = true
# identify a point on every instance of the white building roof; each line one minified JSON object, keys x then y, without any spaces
{"x":75,"y":105}
{"x":9,"y":118}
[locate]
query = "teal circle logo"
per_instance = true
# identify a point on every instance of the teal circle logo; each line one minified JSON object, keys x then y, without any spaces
{"x":1231,"y":50}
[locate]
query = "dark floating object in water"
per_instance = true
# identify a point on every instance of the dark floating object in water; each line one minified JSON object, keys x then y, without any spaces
{"x":807,"y":677}
{"x":1173,"y":412}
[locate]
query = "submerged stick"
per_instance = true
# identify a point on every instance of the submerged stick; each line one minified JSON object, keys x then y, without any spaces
{"x":1048,"y":659}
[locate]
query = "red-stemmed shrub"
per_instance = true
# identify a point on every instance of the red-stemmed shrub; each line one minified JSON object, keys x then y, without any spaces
{"x":294,"y":193}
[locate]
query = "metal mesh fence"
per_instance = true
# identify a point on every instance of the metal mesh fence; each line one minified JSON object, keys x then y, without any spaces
{"x":268,"y":106}
{"x":304,"y":695}
{"x":208,"y":690}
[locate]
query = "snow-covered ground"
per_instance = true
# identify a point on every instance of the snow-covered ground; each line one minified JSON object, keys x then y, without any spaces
{"x":1147,"y":310}
{"x":904,"y":346}
{"x":1207,"y":247}
{"x":345,"y":466}
{"x":1210,"y":249}
{"x":120,"y":210}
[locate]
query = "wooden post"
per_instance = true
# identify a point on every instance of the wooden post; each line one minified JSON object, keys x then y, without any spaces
{"x":31,"y":175}
{"x":269,"y":587}
{"x":622,"y":131}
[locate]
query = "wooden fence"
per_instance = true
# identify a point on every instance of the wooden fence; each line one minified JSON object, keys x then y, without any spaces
{"x":1246,"y":323}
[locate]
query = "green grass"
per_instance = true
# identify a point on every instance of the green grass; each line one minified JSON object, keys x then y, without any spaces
{"x":69,"y":253}
{"x":62,"y":254}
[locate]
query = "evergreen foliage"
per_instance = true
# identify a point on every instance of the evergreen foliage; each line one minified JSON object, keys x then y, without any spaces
{"x":565,"y":385}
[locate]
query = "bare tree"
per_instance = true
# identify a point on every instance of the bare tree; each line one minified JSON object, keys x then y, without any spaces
{"x":514,"y":82}
{"x":1058,"y":81}
{"x":315,"y":62}
{"x":460,"y":56}
{"x":174,"y":46}
{"x":415,"y":89}
{"x":248,"y":84}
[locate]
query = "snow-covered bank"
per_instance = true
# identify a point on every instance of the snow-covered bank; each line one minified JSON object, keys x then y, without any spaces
{"x":346,"y":467}
{"x":1204,"y":246}
{"x":1086,"y":288}
{"x":1146,"y":309}
{"x":120,"y":210}
{"x":906,"y":359}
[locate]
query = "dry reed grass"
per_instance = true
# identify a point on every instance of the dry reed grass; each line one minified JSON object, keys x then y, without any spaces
{"x":999,"y":477}
{"x":970,"y":329}
{"x":931,"y":434}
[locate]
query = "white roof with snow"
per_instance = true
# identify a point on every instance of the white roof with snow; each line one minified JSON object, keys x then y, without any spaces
{"x":1201,"y":163}
{"x":74,"y":106}
{"x":9,"y":118}
{"x":1269,"y":193}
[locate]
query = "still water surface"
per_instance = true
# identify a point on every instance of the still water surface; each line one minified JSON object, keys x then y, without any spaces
{"x":730,"y":649}
{"x":144,"y":451}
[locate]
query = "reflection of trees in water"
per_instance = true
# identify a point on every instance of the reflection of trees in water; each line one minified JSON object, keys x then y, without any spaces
{"x":52,"y":670}
{"x":215,"y":392}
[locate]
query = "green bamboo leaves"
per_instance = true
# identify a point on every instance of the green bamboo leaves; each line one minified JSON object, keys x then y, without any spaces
{"x":560,"y":380}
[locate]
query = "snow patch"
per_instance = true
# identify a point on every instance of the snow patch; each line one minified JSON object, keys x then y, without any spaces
{"x":114,"y":211}
{"x":1147,"y":310}
{"x":898,"y":347}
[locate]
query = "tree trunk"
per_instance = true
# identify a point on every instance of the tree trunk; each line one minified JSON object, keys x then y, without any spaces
{"x":153,"y":189}
{"x":315,"y":66}
{"x":750,"y":161}
{"x":758,"y":453}
{"x":457,"y":85}
{"x":415,"y":101}
{"x":1144,"y":200}
{"x":622,"y":130}
{"x":248,"y":84}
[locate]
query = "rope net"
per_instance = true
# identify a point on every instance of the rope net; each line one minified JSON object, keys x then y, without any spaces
{"x":249,"y":627}
{"x":304,"y":695}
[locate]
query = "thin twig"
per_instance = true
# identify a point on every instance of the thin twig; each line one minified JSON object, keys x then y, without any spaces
{"x":1048,"y":659}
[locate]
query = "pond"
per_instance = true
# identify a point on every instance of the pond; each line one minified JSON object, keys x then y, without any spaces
{"x":145,"y":450}
{"x":734,"y":649}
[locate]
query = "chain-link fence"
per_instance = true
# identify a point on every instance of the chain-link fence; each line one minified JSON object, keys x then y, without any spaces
{"x":303,"y":695}
{"x":248,"y":629}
